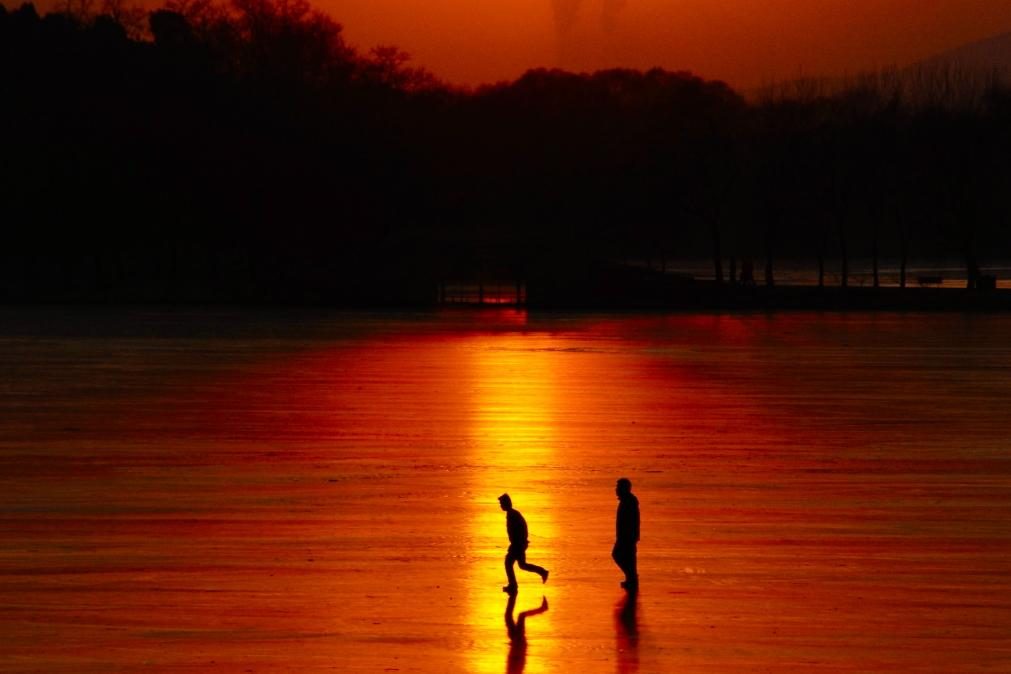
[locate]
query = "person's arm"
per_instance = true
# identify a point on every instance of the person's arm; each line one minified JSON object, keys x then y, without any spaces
{"x":628,"y":522}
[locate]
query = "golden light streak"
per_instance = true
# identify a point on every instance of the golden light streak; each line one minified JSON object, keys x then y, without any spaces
{"x":513,"y":432}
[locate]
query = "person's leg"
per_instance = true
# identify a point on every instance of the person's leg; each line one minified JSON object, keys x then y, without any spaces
{"x":618,"y":555}
{"x":510,"y":559}
{"x":533,"y":568}
{"x":521,"y":558}
{"x":625,"y":557}
{"x":631,"y":568}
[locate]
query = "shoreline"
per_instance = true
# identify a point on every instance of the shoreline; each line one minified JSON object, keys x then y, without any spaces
{"x":698,"y":296}
{"x":708,"y":296}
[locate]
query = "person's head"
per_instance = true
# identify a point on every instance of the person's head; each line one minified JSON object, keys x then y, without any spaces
{"x":623,"y":487}
{"x":505,"y":502}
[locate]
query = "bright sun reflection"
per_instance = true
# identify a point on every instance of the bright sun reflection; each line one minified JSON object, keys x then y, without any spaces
{"x":512,"y":412}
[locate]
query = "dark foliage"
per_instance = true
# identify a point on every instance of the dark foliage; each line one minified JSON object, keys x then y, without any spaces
{"x":246,"y":152}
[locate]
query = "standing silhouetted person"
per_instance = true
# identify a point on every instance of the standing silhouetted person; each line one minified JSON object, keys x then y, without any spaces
{"x":516,"y":526}
{"x":626,"y":534}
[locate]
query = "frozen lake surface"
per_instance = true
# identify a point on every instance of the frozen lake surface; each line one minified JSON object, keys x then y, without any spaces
{"x":303,"y":491}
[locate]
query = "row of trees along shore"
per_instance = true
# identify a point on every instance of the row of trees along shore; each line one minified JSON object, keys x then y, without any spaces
{"x":246,"y":150}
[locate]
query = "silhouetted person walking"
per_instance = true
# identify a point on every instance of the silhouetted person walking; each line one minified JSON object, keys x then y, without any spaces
{"x":626,"y":534}
{"x":516,"y":526}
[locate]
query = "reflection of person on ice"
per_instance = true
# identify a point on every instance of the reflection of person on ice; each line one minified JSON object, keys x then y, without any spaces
{"x":516,"y":526}
{"x":626,"y":534}
{"x":517,"y":628}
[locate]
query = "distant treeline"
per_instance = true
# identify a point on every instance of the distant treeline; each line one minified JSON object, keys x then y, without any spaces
{"x":246,"y":151}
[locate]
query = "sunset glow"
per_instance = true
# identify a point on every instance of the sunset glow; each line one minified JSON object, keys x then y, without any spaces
{"x":744,"y":42}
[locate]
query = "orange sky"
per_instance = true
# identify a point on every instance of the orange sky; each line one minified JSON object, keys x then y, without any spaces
{"x":745,"y":42}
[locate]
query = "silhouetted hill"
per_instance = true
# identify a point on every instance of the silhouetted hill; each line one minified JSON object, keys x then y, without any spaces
{"x":991,"y":53}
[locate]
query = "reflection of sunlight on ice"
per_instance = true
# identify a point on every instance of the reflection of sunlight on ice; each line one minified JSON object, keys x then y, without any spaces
{"x":512,"y":431}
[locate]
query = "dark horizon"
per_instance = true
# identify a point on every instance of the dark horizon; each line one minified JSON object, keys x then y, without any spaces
{"x":247,"y":153}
